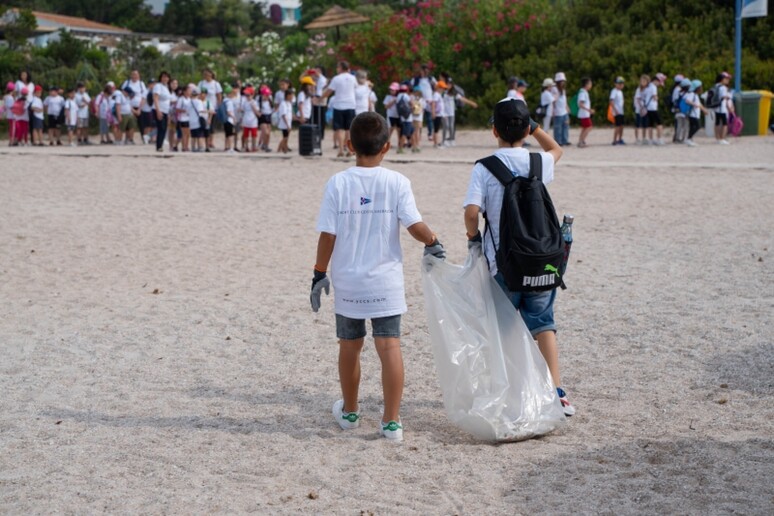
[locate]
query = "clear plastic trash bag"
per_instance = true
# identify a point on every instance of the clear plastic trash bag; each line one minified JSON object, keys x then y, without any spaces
{"x":496,"y":384}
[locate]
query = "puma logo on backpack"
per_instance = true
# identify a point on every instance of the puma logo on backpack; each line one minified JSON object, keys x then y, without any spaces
{"x":531,"y":245}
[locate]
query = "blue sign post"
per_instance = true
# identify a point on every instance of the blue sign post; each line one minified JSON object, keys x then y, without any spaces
{"x":738,"y":47}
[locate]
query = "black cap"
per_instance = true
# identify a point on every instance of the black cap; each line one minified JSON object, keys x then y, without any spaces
{"x":511,"y":119}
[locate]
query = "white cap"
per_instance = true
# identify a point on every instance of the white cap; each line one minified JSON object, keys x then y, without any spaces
{"x":547,"y":82}
{"x":560,"y":77}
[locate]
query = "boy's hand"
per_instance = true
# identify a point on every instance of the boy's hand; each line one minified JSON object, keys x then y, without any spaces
{"x":475,"y":241}
{"x":320,"y":282}
{"x":436,"y":249}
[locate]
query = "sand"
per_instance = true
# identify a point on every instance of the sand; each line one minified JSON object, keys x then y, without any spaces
{"x":159,"y":354}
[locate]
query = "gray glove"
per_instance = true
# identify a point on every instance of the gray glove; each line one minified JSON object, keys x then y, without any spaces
{"x":319,"y":283}
{"x":475,"y":241}
{"x":436,"y":249}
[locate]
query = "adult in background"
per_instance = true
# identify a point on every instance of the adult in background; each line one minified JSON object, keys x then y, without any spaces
{"x":726,"y":106}
{"x":214,"y":98}
{"x":426,"y":83}
{"x":561,"y":115}
{"x":319,"y":103}
{"x":139,"y":98}
{"x":161,"y":104}
{"x":343,"y":86}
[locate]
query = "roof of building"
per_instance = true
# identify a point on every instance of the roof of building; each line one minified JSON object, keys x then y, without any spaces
{"x":79,"y":23}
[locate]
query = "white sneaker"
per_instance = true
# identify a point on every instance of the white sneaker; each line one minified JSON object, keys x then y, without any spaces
{"x":691,"y":143}
{"x":723,"y":142}
{"x":146,"y":138}
{"x":392,"y":431}
{"x":346,"y":420}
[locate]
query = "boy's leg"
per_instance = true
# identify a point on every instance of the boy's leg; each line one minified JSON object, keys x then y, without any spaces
{"x":349,"y":371}
{"x":547,"y":344}
{"x":388,"y":349}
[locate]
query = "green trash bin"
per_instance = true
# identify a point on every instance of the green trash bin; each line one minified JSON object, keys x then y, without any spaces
{"x":747,"y":104}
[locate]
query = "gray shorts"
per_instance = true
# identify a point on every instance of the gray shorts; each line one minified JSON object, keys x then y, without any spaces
{"x":351,"y":329}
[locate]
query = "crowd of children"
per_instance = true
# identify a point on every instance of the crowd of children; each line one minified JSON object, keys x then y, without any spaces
{"x":187,"y":116}
{"x":685,"y":101}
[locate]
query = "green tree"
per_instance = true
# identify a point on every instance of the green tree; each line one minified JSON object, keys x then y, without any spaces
{"x":21,"y":28}
{"x":232,"y":19}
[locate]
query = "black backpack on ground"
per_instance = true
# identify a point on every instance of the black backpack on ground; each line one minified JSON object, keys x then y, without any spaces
{"x":531,"y":245}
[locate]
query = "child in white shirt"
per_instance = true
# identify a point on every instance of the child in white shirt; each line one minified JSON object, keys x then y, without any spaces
{"x":183,"y":108}
{"x":285,"y":123}
{"x":359,"y":223}
{"x":250,"y":113}
{"x":37,"y":116}
{"x":418,"y":106}
{"x":617,"y":106}
{"x":82,"y":99}
{"x":584,"y":111}
{"x":71,"y":117}
{"x":53,"y":105}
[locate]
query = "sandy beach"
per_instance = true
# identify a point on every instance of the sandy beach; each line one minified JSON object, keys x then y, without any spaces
{"x":159,"y":354}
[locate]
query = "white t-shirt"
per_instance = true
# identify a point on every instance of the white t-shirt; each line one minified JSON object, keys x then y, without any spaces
{"x":54,"y":105}
{"x":560,"y":104}
{"x":693,"y":99}
{"x":103,"y":105}
{"x":36,"y":104}
{"x":650,"y":97}
{"x":83,"y":99}
{"x":138,"y":87}
{"x":124,"y":103}
{"x":249,"y":118}
{"x":200,"y":107}
{"x":20,"y":85}
{"x":279,"y":98}
{"x":392,"y":111}
{"x":193,"y":107}
{"x":449,"y":105}
{"x":362,"y":98}
{"x":71,"y":112}
{"x":486,"y":192}
{"x":8,"y":102}
{"x":583,"y":98}
{"x":285,"y":113}
{"x":230,"y":110}
{"x":164,"y":97}
{"x":183,"y":108}
{"x":725,"y":95}
{"x":320,"y":85}
{"x":637,"y":101}
{"x":422,"y":103}
{"x":344,"y":85}
{"x":364,"y":208}
{"x":266,"y":108}
{"x":547,"y":100}
{"x":438,"y":103}
{"x":304,"y":106}
{"x":616,"y":96}
{"x":213,"y":89}
{"x":426,"y":84}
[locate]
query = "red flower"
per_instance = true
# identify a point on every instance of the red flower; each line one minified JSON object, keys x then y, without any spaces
{"x":457,"y":47}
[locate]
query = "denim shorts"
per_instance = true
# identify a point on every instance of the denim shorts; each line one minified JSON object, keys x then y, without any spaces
{"x":536,"y":308}
{"x":351,"y":329}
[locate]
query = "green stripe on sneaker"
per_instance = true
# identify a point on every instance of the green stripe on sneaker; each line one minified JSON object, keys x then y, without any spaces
{"x":351,"y":417}
{"x":392,"y":426}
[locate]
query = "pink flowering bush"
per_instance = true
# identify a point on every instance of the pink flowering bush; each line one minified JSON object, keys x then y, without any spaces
{"x":468,"y":39}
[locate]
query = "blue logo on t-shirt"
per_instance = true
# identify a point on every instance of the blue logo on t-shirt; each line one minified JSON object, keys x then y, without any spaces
{"x":364,"y":200}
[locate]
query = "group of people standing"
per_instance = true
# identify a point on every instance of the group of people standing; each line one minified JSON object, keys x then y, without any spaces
{"x":684,"y":101}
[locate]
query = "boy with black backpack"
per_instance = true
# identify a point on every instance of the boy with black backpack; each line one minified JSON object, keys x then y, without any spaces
{"x":522,"y":240}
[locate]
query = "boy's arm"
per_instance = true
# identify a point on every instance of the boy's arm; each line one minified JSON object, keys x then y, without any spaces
{"x":422,"y":232}
{"x":547,"y":143}
{"x":468,"y":102}
{"x":471,"y":222}
{"x":324,"y":251}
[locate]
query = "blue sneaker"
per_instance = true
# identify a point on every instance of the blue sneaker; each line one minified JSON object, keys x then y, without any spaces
{"x":569,"y":410}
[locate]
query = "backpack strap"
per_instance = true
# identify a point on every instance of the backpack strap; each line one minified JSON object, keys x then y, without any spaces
{"x":497,"y":168}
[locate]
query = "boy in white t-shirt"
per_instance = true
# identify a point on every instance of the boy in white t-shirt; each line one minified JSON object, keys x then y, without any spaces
{"x":83,"y":99}
{"x":617,"y":106}
{"x":37,"y":116}
{"x":359,"y":223}
{"x":285,"y":118}
{"x":584,"y":111}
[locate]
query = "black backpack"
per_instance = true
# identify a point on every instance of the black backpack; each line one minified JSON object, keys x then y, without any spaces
{"x":404,"y":108}
{"x":531,"y":245}
{"x":713,"y":97}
